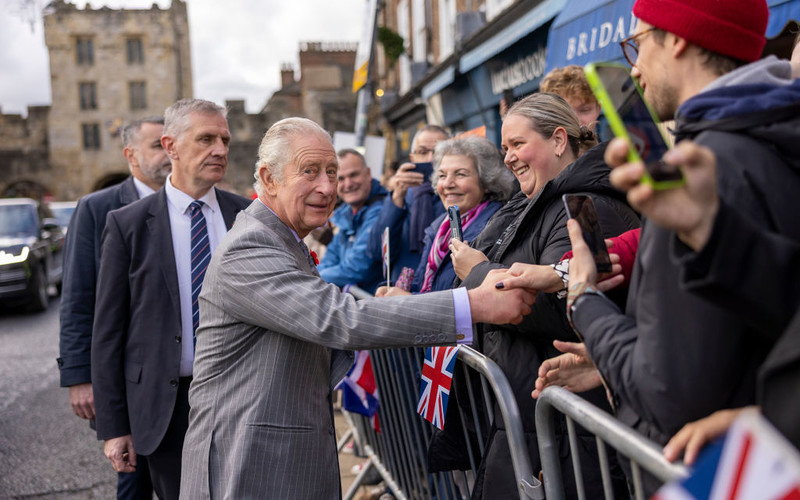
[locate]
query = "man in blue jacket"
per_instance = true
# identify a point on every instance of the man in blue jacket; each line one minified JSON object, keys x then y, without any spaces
{"x":346,"y":261}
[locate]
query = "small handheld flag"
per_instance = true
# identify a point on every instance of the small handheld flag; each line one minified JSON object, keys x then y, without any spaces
{"x":435,"y":380}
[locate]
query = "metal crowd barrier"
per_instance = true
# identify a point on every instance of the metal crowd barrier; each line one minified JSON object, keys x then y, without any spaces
{"x":642,"y":453}
{"x":399,"y":452}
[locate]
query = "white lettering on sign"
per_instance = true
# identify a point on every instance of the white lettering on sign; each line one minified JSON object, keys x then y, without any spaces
{"x":599,"y":37}
{"x":523,"y":70}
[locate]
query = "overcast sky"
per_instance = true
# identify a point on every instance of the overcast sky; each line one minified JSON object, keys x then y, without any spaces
{"x":237,"y":45}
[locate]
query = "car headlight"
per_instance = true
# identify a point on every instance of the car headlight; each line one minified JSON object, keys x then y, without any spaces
{"x":11,"y":258}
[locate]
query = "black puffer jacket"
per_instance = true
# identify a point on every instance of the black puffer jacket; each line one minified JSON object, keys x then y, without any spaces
{"x":538,"y":235}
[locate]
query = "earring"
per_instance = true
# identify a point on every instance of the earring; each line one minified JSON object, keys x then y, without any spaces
{"x":558,"y":155}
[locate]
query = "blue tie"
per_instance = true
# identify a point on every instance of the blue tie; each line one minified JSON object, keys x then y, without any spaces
{"x":201,"y":256}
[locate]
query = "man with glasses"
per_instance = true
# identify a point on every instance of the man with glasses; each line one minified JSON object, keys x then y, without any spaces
{"x":412,"y":206}
{"x":672,"y":357}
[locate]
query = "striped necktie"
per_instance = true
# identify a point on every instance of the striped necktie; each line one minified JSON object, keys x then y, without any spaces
{"x":201,"y":256}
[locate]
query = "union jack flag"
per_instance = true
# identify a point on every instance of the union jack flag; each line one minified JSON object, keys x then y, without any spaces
{"x":753,"y":461}
{"x":434,"y":386}
{"x":359,"y":391}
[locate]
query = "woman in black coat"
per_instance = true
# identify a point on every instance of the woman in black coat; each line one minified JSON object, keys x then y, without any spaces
{"x":541,"y":138}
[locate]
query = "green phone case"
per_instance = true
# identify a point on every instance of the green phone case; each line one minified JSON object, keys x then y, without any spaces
{"x":618,"y":127}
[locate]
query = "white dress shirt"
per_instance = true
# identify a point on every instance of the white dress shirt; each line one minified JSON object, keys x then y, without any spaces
{"x":143,"y":189}
{"x":180,"y":224}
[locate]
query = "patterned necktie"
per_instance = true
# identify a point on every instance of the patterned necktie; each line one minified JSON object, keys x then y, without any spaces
{"x":201,"y":256}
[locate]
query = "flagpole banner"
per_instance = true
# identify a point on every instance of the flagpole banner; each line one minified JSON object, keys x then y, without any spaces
{"x":434,"y":385}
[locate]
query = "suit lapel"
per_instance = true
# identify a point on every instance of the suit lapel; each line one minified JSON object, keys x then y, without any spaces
{"x":128,"y":193}
{"x":288,"y":240}
{"x":161,"y":240}
{"x":227,"y":207}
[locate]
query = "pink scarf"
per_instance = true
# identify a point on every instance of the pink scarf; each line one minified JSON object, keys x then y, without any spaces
{"x":441,"y":243}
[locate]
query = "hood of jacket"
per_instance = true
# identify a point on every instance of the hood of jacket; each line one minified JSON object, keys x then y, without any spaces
{"x":759,"y":99}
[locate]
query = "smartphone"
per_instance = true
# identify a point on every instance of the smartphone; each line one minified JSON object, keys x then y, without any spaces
{"x":581,"y":208}
{"x":425,"y":168}
{"x":454,"y":214}
{"x":632,"y":119}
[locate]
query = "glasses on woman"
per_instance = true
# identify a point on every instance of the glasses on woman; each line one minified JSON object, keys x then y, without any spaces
{"x":630,"y":46}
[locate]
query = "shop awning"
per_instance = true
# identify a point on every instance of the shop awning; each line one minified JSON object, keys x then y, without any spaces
{"x":781,"y":13}
{"x":530,"y":21}
{"x":439,"y":82}
{"x":589,"y":31}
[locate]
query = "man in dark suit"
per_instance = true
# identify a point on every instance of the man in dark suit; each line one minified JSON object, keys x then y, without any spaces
{"x":154,"y":255}
{"x":149,"y":166}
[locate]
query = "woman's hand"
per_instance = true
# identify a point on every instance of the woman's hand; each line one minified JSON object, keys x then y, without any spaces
{"x":534,"y":277}
{"x":390,"y":291}
{"x":573,"y":370}
{"x":464,"y":258}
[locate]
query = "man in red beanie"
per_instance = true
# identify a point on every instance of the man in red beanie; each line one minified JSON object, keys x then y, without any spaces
{"x":672,"y":357}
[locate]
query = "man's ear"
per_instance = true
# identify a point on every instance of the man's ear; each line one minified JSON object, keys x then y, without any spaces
{"x":130,"y":155}
{"x":268,"y":180}
{"x":168,"y":144}
{"x":678,"y":45}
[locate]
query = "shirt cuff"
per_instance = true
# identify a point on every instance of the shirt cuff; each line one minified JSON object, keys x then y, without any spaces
{"x":463,"y":316}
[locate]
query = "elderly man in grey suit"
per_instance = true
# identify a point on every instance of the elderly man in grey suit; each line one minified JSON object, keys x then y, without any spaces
{"x":274,"y":338}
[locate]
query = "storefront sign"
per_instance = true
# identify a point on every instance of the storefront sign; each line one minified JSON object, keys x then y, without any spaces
{"x":521,"y":71}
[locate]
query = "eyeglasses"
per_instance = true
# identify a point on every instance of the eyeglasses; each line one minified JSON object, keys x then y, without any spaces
{"x":630,"y":46}
{"x":422,"y":151}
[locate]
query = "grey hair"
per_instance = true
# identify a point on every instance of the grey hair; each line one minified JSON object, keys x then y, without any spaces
{"x":130,"y":132}
{"x":495,"y":179}
{"x":350,"y":151}
{"x":176,"y":117}
{"x":274,"y":152}
{"x":547,"y":112}
{"x":428,"y":128}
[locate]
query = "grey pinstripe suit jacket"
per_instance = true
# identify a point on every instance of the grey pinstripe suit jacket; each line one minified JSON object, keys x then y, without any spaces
{"x":272,"y":344}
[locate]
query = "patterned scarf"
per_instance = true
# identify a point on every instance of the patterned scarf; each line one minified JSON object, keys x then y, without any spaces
{"x":441,"y":243}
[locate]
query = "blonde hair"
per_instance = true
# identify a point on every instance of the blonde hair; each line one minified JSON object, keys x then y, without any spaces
{"x":547,"y":112}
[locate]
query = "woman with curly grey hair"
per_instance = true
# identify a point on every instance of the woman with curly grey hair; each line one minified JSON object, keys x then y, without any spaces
{"x":467,"y":172}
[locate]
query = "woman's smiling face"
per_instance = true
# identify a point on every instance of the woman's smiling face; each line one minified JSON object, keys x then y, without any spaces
{"x":530,"y":156}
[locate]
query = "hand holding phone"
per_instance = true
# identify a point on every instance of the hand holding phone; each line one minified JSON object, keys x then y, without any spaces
{"x":581,"y":208}
{"x":454,"y":214}
{"x":632,"y":119}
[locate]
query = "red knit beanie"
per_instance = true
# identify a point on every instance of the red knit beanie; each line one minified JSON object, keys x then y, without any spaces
{"x":732,"y":28}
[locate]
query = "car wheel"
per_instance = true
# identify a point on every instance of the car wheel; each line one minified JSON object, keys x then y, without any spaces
{"x":40,"y":298}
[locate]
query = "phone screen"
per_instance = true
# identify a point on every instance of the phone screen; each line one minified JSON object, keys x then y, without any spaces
{"x":454,"y":214}
{"x":639,"y":122}
{"x":581,"y":208}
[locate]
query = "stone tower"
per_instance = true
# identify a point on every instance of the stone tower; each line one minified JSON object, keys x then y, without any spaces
{"x":108,"y":66}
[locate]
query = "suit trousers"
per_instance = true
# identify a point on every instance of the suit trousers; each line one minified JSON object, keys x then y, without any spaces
{"x":135,"y":485}
{"x":165,"y":462}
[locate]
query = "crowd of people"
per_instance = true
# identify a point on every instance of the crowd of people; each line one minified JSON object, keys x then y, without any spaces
{"x":204,"y":339}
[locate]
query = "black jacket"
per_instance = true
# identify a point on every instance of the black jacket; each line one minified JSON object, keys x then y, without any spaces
{"x":673,"y":357}
{"x":538,"y":235}
{"x":81,"y":265}
{"x":755,"y":275}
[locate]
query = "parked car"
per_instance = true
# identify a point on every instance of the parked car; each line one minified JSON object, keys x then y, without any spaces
{"x":63,"y":211}
{"x":31,"y":248}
